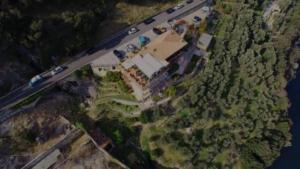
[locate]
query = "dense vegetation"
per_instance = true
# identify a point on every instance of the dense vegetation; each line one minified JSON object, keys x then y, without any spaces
{"x":38,"y":34}
{"x":235,"y":112}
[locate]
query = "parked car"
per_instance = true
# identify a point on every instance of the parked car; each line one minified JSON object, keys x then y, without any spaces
{"x":156,"y":31}
{"x":159,"y":31}
{"x":35,"y":80}
{"x":133,"y":30}
{"x":179,"y":6}
{"x":131,"y":48}
{"x":170,"y":10}
{"x":118,"y":54}
{"x":149,"y":21}
{"x":57,"y":70}
{"x":196,"y":19}
{"x":143,"y":40}
{"x":189,"y":1}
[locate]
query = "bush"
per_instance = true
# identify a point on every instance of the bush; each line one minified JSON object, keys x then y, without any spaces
{"x":146,"y":116}
{"x":123,"y":86}
{"x":114,"y":76}
{"x":84,"y":72}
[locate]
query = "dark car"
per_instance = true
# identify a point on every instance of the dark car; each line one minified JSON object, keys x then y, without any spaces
{"x":171,"y":21}
{"x":189,"y":1}
{"x":91,"y":50}
{"x":159,"y":31}
{"x":156,"y":31}
{"x":149,"y":21}
{"x":118,"y":54}
{"x":170,"y":10}
{"x":196,"y":19}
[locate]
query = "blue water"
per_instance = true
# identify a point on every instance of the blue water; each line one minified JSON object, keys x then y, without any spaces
{"x":290,"y":156}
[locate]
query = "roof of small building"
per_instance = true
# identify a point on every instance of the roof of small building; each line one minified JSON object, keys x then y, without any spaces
{"x":105,"y":60}
{"x":165,"y":45}
{"x":205,"y":39}
{"x":128,"y":63}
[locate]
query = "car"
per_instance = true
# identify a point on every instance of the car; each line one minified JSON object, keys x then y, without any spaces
{"x":196,"y":19}
{"x":178,"y":6}
{"x":133,"y":30}
{"x":57,"y":70}
{"x":170,"y":10}
{"x":149,"y":21}
{"x":143,"y":40}
{"x":171,"y":21}
{"x":118,"y":54}
{"x":159,"y":31}
{"x":205,"y":9}
{"x":189,"y":1}
{"x":131,"y":48}
{"x":156,"y":31}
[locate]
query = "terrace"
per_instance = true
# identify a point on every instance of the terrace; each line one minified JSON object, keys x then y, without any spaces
{"x":138,"y":76}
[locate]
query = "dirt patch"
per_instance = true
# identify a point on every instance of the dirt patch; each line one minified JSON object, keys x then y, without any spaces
{"x":84,"y":154}
{"x":33,"y":132}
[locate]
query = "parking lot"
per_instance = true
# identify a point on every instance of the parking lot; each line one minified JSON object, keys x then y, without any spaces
{"x":151,"y":35}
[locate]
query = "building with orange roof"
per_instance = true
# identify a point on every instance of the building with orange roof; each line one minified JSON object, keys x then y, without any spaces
{"x":147,"y":67}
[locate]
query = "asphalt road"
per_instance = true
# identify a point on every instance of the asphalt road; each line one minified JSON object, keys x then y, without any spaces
{"x":102,"y":48}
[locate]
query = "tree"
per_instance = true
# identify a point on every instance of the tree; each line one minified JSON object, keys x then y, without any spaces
{"x":171,"y":91}
{"x":118,"y":137}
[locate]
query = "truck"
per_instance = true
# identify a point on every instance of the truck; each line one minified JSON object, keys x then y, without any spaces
{"x":35,"y":80}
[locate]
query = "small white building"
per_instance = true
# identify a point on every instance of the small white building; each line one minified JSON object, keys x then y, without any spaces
{"x":204,"y":41}
{"x":104,"y":63}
